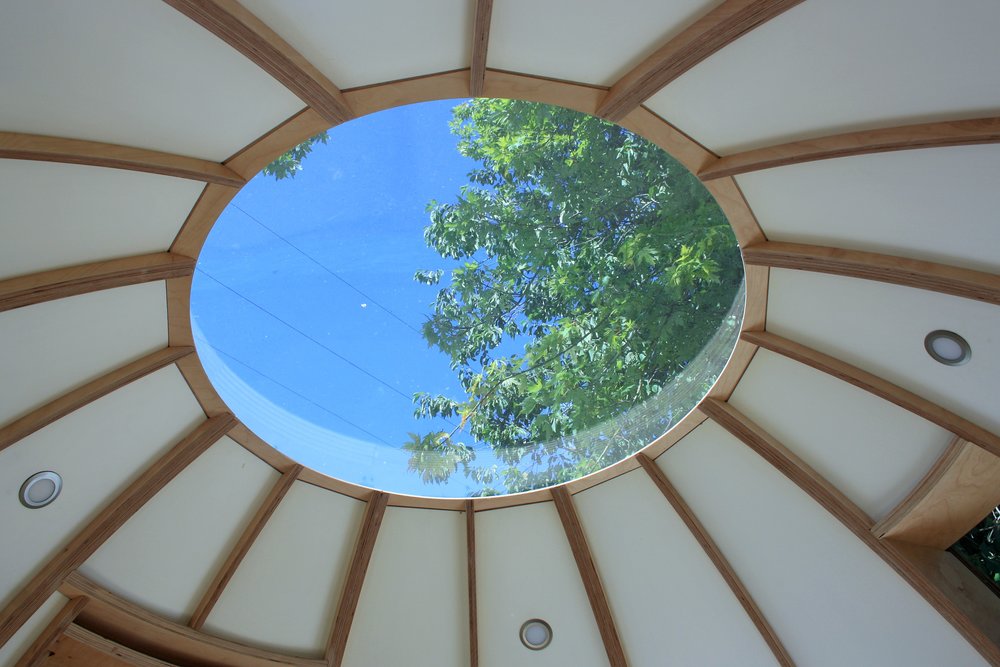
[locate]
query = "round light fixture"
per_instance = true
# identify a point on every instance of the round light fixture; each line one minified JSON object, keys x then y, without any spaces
{"x":947,"y":347}
{"x":536,"y":634}
{"x":40,"y":489}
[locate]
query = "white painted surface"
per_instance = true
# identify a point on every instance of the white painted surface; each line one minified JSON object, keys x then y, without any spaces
{"x":98,"y":450}
{"x":165,"y":556}
{"x":11,"y":652}
{"x":54,"y":346}
{"x":871,"y":450}
{"x":929,"y":204}
{"x":133,"y":73}
{"x":93,"y":213}
{"x":881,"y":328}
{"x":285,"y":592}
{"x":830,"y":598}
{"x":360,"y":43}
{"x":525,"y":569}
{"x":416,"y":592}
{"x":826,"y":67}
{"x":669,"y":601}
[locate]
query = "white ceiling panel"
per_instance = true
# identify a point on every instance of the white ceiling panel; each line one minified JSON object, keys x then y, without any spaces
{"x":415,"y":591}
{"x":11,"y":652}
{"x":928,"y":204}
{"x":875,"y":456}
{"x":360,"y":43}
{"x":54,"y":346}
{"x":830,"y":599}
{"x":881,"y":328}
{"x":588,"y":41}
{"x":98,"y":450}
{"x":827,"y":67}
{"x":284,"y":594}
{"x":669,"y":602}
{"x":133,"y":73}
{"x":165,"y":556}
{"x":524,"y":570}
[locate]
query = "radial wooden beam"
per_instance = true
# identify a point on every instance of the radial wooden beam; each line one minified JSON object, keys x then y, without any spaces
{"x":943,"y":278}
{"x":348,"y":605}
{"x":107,"y":521}
{"x":38,"y":652}
{"x":93,"y":390}
{"x":876,"y":385}
{"x":233,"y":24}
{"x":480,"y":42}
{"x":717,"y":558}
{"x":96,"y":645}
{"x":924,"y":135}
{"x":834,"y":502}
{"x":470,"y":540}
{"x":588,"y":573}
{"x":242,"y":547}
{"x":83,"y":278}
{"x":713,"y":31}
{"x":42,"y":148}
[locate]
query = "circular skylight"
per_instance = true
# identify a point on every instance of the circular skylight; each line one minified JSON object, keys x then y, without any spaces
{"x":465,"y":298}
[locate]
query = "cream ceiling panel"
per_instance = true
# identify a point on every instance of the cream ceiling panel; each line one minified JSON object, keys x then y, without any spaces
{"x":133,"y":73}
{"x":875,"y":456}
{"x":525,"y":569}
{"x":54,"y":346}
{"x":11,"y":652}
{"x":285,"y":592}
{"x":928,"y":204}
{"x":165,"y":556}
{"x":98,"y":449}
{"x":359,"y":43}
{"x":93,"y":213}
{"x":827,"y":67}
{"x":830,"y":599}
{"x":669,"y":602}
{"x":588,"y":41}
{"x":415,"y":591}
{"x":881,"y":328}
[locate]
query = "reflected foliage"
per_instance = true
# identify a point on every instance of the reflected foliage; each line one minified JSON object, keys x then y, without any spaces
{"x":980,"y":548}
{"x":289,"y":163}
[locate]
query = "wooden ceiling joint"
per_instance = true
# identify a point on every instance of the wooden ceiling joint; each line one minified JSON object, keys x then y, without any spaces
{"x":38,"y":652}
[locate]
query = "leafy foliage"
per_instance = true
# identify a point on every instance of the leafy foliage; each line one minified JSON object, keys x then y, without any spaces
{"x":288,"y":164}
{"x":981,"y":547}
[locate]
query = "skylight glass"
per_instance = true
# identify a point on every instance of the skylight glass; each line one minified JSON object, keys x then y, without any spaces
{"x":464,"y":298}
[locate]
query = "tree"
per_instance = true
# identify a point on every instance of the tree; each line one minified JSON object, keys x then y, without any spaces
{"x":289,"y":163}
{"x":594,"y":268}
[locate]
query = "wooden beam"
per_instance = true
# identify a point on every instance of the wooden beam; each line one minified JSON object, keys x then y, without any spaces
{"x":957,"y":281}
{"x":480,"y":42}
{"x":718,"y":559}
{"x":874,"y":384}
{"x":93,"y":390}
{"x":107,"y":521}
{"x":242,"y":547}
{"x":710,"y":33}
{"x":370,"y":524}
{"x":588,"y":573}
{"x":38,"y":652}
{"x":924,"y":135}
{"x":235,"y":25}
{"x":16,"y":146}
{"x":470,"y":541}
{"x":96,"y":644}
{"x":60,"y":283}
{"x":955,"y":494}
{"x":837,"y":504}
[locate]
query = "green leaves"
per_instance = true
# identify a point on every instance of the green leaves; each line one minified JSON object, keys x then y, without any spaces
{"x":288,"y":164}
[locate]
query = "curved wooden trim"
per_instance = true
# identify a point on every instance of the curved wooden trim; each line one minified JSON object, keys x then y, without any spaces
{"x":906,"y":137}
{"x":480,"y":43}
{"x":242,"y":547}
{"x":874,"y":384}
{"x":15,"y":146}
{"x":93,"y":390}
{"x":84,"y":278}
{"x":236,"y":26}
{"x":588,"y":573}
{"x":720,"y":27}
{"x":112,"y":649}
{"x":954,"y":280}
{"x":37,"y":653}
{"x":714,"y":554}
{"x":470,"y":544}
{"x":112,"y":517}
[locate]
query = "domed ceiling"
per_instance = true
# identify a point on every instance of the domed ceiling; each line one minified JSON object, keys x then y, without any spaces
{"x":799,"y":516}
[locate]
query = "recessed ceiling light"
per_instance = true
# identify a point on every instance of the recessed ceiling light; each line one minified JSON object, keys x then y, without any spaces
{"x":536,"y":634}
{"x":40,"y":489}
{"x":947,"y":347}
